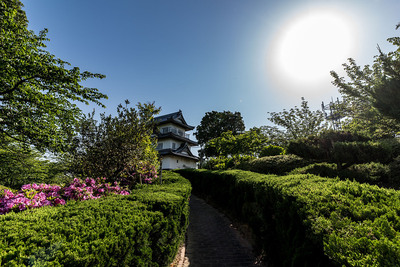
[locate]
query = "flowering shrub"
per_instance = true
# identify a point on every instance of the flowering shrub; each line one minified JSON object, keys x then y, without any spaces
{"x":140,"y":172}
{"x":34,"y":196}
{"x":91,"y":189}
{"x":146,"y":229}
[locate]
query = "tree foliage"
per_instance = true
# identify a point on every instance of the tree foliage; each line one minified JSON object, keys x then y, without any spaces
{"x":371,"y":94}
{"x":21,"y":164}
{"x":116,"y":144}
{"x":387,"y":98}
{"x":249,"y":143}
{"x":294,"y":123}
{"x":214,"y":123}
{"x":38,"y":94}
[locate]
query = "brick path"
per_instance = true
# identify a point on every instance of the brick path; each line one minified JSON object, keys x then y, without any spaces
{"x":211,"y":241}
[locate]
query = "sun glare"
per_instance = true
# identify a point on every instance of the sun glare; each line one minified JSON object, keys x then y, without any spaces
{"x":309,"y":46}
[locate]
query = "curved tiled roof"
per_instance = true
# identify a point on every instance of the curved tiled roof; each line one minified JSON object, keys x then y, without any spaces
{"x":182,"y":151}
{"x":176,"y":118}
{"x":177,"y":137}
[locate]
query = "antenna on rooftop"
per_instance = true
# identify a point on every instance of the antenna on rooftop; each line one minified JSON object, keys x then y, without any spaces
{"x":333,"y":114}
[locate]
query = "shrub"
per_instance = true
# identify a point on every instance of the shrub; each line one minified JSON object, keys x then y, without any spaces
{"x":107,"y":147}
{"x":272,"y":150}
{"x":226,"y":163}
{"x":373,"y":173}
{"x":36,"y":196}
{"x":141,"y":229}
{"x":343,"y":149}
{"x":275,"y":164}
{"x":4,"y":189}
{"x":306,"y":220}
{"x":323,"y":169}
{"x":139,"y":172}
{"x":394,"y":177}
{"x":360,"y":152}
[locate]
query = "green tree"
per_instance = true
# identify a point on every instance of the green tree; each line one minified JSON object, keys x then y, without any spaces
{"x":387,"y":99}
{"x":21,"y":164}
{"x":38,"y":94}
{"x":214,"y":123}
{"x":248,"y":143}
{"x":115,"y":144}
{"x":371,"y":94}
{"x":293,"y":124}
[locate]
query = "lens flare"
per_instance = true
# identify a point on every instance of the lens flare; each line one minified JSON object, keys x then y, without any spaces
{"x":308,"y":47}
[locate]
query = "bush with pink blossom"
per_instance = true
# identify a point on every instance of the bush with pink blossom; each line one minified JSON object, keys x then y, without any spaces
{"x":34,"y":195}
{"x":142,"y":172}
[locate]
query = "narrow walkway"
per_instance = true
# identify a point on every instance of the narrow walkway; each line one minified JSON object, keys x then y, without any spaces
{"x":211,"y":241}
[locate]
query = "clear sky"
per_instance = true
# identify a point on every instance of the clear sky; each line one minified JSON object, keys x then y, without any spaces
{"x":250,"y":56}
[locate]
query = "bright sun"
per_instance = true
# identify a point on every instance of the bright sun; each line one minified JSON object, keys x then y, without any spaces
{"x":309,"y":46}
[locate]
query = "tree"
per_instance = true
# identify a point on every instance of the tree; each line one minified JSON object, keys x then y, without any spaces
{"x":249,"y":143}
{"x":116,"y":144}
{"x":294,"y":123}
{"x":214,"y":123}
{"x":38,"y":94}
{"x":371,"y":94}
{"x":387,"y":99}
{"x":21,"y":164}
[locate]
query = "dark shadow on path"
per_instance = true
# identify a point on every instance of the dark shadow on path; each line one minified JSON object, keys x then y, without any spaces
{"x":211,"y":240}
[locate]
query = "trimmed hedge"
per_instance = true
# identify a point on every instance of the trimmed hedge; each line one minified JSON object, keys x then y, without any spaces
{"x":142,"y":229}
{"x":344,"y":149}
{"x":306,"y":220}
{"x":373,"y":173}
{"x":226,"y":163}
{"x":280,"y":164}
{"x":272,"y":150}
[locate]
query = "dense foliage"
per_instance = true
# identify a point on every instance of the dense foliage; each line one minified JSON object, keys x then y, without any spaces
{"x":371,"y":94}
{"x":117,"y":147}
{"x":21,"y":164}
{"x":372,"y":173}
{"x":272,"y":150}
{"x":214,"y":123}
{"x":280,"y":164}
{"x":38,"y":94}
{"x":342,"y":148}
{"x":35,"y":196}
{"x":227,"y":163}
{"x":306,"y":220}
{"x":248,"y":143}
{"x":293,"y":124}
{"x":142,"y":229}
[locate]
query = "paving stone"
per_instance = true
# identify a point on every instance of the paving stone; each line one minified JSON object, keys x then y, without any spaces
{"x":211,"y":240}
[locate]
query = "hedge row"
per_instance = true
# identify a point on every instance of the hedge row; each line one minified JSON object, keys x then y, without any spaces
{"x":142,"y":229}
{"x":306,"y":220}
{"x":280,"y":164}
{"x":373,"y":173}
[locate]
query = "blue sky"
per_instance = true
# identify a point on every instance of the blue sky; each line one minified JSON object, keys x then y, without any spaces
{"x":200,"y":56}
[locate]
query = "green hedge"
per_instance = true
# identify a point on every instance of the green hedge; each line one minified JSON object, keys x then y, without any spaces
{"x":272,"y":150}
{"x":142,"y":229}
{"x":344,"y":149}
{"x":226,"y":163}
{"x":280,"y":164}
{"x":373,"y":173}
{"x":306,"y":220}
